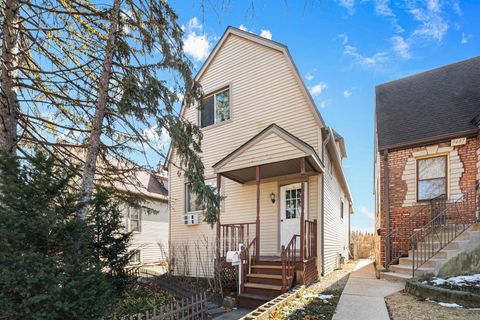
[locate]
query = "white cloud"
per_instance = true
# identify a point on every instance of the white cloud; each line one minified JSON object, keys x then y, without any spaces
{"x":196,"y":43}
{"x":309,"y":76}
{"x":266,"y":34}
{"x":457,"y":9}
{"x":401,"y":47}
{"x":242,"y":27}
{"x":347,"y":93}
{"x":325,"y":103}
{"x":466,"y":37}
{"x":348,"y":4}
{"x":317,"y":89}
{"x":382,"y":8}
{"x":365,"y":61}
{"x":344,"y":38}
{"x":367,"y":213}
{"x":156,"y":139}
{"x":432,"y":24}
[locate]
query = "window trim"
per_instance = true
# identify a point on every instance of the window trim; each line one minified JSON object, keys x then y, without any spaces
{"x":342,"y":209}
{"x":134,"y":263}
{"x":447,"y":175}
{"x":209,"y":94}
{"x":130,"y":220}
{"x":186,"y":200}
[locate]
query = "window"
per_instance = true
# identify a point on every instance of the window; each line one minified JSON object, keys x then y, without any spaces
{"x":431,"y":178}
{"x":216,"y":108}
{"x":135,"y":257}
{"x":135,"y":219}
{"x":293,"y":203}
{"x":341,"y":209}
{"x":192,"y":205}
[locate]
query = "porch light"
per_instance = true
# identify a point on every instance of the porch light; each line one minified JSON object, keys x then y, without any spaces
{"x":272,"y":197}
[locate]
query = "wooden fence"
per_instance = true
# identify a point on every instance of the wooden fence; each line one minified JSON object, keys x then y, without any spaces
{"x":189,"y":308}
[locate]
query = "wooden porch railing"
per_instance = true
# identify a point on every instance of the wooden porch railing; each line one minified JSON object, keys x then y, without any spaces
{"x":289,"y":257}
{"x":247,"y":256}
{"x":310,"y":239}
{"x":233,"y":234}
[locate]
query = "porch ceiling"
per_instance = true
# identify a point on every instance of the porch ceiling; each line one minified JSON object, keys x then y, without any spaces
{"x":271,"y":170}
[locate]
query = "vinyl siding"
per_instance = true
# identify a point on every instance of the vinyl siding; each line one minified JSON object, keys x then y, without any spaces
{"x":336,"y":229}
{"x":152,"y":240}
{"x":264,"y":90}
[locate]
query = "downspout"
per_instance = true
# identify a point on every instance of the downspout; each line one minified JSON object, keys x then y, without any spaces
{"x":387,"y":207}
{"x":322,"y":218}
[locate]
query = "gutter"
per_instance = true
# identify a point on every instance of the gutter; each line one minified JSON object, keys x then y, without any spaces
{"x":387,"y":206}
{"x":322,"y":218}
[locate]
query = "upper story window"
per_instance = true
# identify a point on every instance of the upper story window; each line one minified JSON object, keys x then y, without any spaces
{"x":135,"y":219}
{"x":431,"y":178}
{"x":216,"y":108}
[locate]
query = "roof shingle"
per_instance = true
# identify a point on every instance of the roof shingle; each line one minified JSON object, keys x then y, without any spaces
{"x":440,"y":103}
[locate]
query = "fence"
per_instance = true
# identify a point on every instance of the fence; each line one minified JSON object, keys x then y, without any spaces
{"x":194,"y":307}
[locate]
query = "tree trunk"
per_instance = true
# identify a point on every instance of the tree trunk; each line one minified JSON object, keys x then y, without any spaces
{"x":9,"y":105}
{"x":100,"y":108}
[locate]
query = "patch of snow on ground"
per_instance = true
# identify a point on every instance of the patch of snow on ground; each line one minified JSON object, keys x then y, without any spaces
{"x":459,"y":280}
{"x":318,"y":296}
{"x":449,"y":305}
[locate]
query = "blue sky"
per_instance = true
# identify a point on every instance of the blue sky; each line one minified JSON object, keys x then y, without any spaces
{"x":343,"y":49}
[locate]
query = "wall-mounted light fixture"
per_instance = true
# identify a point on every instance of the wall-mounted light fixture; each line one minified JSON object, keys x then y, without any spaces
{"x":272,"y":197}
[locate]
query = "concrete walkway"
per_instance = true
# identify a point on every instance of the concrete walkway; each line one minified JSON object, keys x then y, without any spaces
{"x":364,"y":295}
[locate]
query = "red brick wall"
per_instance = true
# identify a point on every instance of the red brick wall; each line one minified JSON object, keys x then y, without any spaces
{"x":401,"y":216}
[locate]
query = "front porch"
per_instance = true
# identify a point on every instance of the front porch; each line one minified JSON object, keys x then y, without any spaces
{"x":272,"y":273}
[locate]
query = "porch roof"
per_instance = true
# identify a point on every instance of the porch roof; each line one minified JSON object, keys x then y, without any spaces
{"x":277,"y":152}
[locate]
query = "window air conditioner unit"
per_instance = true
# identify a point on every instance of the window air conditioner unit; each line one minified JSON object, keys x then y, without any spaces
{"x":191,"y":219}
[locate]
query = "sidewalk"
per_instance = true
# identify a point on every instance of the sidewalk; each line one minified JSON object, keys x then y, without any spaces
{"x":363,"y":296}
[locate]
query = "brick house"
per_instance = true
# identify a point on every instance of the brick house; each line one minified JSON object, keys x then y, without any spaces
{"x":427,"y":166}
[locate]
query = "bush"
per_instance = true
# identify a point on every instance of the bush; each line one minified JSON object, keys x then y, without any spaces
{"x":54,"y":265}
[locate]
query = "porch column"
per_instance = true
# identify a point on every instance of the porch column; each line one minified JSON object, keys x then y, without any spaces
{"x":257,"y":224}
{"x":302,"y":206}
{"x":219,"y":184}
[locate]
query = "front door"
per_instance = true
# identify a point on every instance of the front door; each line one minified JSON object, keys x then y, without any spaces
{"x":290,"y":211}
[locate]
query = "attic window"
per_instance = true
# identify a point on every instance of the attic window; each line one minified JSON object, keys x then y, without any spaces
{"x":216,"y":108}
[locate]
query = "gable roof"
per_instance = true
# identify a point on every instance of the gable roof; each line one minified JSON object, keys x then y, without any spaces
{"x":289,"y":138}
{"x":429,"y":106}
{"x":264,"y":42}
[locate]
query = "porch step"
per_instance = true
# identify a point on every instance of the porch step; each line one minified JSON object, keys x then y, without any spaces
{"x":393,"y":276}
{"x":431,"y":263}
{"x":407,"y":270}
{"x":267,"y":290}
{"x":266,"y":269}
{"x":274,"y":279}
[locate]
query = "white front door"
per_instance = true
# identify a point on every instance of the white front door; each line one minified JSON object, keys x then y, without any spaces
{"x":290,"y":211}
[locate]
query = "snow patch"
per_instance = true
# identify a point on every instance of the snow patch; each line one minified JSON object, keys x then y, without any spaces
{"x":459,"y":280}
{"x":449,"y":305}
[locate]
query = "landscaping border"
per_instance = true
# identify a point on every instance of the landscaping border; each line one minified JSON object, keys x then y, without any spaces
{"x":264,"y":311}
{"x":463,"y":298}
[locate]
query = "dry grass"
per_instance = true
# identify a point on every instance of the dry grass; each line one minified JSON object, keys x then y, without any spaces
{"x":307,"y":306}
{"x":405,"y":306}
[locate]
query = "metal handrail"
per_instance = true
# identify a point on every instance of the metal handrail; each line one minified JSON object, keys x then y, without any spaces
{"x":446,"y":226}
{"x":399,"y":237}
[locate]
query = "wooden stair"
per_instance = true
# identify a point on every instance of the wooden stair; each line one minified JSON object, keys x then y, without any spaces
{"x":262,"y":283}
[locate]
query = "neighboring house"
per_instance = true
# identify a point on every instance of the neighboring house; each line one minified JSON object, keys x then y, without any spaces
{"x":149,"y":222}
{"x":264,"y":145}
{"x":427,"y":166}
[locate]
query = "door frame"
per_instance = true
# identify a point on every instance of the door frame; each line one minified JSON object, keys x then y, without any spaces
{"x":281,"y":184}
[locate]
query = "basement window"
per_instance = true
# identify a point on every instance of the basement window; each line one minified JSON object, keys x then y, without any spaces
{"x":216,"y":108}
{"x":431,"y":178}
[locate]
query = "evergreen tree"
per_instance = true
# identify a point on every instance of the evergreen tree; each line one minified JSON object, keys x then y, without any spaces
{"x":54,"y":265}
